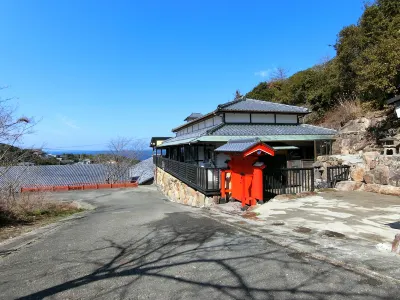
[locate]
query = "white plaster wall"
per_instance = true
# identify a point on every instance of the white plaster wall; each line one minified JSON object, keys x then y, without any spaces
{"x":289,"y":119}
{"x":217,"y":120}
{"x":237,"y":118}
{"x":209,"y":122}
{"x":262,"y":118}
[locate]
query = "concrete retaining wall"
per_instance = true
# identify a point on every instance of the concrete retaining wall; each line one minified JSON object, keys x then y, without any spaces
{"x":177,"y":191}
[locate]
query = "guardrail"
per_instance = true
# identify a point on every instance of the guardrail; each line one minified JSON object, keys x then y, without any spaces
{"x":336,"y":174}
{"x":205,"y":180}
{"x":288,"y":181}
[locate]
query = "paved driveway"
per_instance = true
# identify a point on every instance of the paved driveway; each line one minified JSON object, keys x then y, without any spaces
{"x":137,"y":245}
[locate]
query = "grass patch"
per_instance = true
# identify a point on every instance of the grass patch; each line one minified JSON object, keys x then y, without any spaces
{"x":29,"y":208}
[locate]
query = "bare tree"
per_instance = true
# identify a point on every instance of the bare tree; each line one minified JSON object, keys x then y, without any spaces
{"x":122,"y":154}
{"x":279,"y":74}
{"x":12,"y":129}
{"x":238,"y":95}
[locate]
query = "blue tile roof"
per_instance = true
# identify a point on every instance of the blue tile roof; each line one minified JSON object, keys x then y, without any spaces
{"x":261,"y":106}
{"x":249,"y":105}
{"x":248,"y":130}
{"x":144,"y":170}
{"x":36,"y":176}
{"x":238,"y":145}
{"x":264,"y":130}
{"x":191,"y":135}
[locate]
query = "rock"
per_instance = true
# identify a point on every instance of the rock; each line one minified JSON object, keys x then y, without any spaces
{"x":396,"y":244}
{"x":394,"y":180}
{"x":357,"y":174}
{"x":317,"y":164}
{"x":357,"y":125}
{"x":379,"y":175}
{"x":369,"y":177}
{"x":389,"y":190}
{"x":373,"y":188}
{"x":348,"y":185}
{"x":370,"y":159}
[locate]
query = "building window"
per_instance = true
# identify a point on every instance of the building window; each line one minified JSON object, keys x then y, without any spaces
{"x":324,"y":148}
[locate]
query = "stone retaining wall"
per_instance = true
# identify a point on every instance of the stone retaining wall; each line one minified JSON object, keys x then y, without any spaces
{"x":369,"y":171}
{"x":177,"y":191}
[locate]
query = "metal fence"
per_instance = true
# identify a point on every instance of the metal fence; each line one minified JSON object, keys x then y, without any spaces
{"x":205,"y":180}
{"x":288,"y":181}
{"x":336,"y":174}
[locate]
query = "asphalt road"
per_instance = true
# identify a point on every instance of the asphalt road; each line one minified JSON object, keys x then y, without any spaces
{"x":137,"y":245}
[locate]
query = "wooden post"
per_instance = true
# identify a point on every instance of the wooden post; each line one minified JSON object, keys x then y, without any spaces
{"x":315,"y":150}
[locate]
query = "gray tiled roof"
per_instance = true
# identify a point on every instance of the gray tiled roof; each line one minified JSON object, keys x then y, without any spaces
{"x":53,"y":175}
{"x":194,"y":116}
{"x":191,"y":135}
{"x":247,"y":130}
{"x":238,"y":145}
{"x":264,"y":130}
{"x":23,"y":176}
{"x":261,"y":106}
{"x":144,"y":170}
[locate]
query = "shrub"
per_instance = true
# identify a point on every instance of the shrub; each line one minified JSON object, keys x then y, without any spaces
{"x":29,"y":207}
{"x":345,"y":110}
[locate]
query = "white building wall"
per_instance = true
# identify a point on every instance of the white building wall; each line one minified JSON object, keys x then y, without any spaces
{"x":217,"y":120}
{"x":209,"y":122}
{"x":237,"y":118}
{"x":262,"y":118}
{"x":286,"y":119}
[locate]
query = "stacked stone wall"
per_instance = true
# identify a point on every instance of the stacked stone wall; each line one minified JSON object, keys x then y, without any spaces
{"x":177,"y":191}
{"x":369,"y":171}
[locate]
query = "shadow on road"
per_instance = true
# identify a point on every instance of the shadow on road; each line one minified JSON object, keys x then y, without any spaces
{"x":196,"y":254}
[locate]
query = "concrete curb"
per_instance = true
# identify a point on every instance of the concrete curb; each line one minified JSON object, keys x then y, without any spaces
{"x":347,"y":266}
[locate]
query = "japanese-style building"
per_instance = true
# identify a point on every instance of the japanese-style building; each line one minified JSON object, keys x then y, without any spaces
{"x":191,"y":152}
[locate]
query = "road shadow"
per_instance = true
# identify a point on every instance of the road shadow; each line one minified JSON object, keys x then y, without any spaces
{"x":394,"y":225}
{"x":195,"y":256}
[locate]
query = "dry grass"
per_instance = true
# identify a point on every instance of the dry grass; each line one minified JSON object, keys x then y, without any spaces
{"x":346,"y":109}
{"x":27,"y":208}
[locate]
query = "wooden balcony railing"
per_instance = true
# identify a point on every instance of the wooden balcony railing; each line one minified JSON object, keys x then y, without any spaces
{"x":205,"y":180}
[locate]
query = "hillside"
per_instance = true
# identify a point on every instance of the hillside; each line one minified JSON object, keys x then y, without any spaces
{"x":364,"y":73}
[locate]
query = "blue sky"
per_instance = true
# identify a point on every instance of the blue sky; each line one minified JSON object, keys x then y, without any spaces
{"x":93,"y":70}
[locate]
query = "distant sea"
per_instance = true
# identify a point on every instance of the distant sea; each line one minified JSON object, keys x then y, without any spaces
{"x":143,"y":154}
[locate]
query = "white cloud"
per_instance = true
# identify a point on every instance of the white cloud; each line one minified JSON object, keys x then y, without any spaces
{"x":68,"y":122}
{"x":265,"y":73}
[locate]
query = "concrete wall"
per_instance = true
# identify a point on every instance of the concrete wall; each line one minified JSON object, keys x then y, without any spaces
{"x":177,"y":191}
